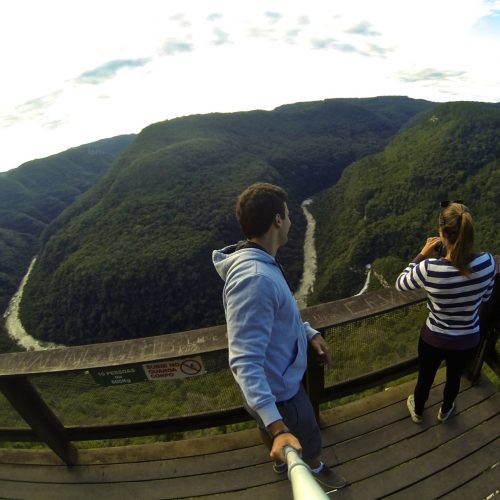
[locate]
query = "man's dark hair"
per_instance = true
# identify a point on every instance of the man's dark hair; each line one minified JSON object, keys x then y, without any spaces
{"x":257,"y":207}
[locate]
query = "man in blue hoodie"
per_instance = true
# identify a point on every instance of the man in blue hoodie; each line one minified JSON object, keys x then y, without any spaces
{"x":266,"y":335}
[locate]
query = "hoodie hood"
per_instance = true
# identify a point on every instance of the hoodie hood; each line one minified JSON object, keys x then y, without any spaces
{"x":228,"y":258}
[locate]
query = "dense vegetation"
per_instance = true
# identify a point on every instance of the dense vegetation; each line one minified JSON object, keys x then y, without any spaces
{"x":6,"y":343}
{"x":385,"y":205}
{"x":34,"y":194}
{"x":132,"y":257}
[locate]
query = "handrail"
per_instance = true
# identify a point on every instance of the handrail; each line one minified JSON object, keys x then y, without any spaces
{"x":211,"y":340}
{"x":210,"y":344}
{"x":340,"y":312}
{"x":304,"y":486}
{"x":117,"y":353}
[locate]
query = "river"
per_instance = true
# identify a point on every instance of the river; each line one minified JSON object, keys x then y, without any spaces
{"x":16,"y":330}
{"x":367,"y":280}
{"x":14,"y":326}
{"x":306,"y":284}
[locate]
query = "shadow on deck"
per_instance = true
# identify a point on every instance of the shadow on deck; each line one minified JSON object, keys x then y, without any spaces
{"x":372,"y":442}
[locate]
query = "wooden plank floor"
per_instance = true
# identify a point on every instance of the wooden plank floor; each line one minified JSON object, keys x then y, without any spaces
{"x":372,"y":442}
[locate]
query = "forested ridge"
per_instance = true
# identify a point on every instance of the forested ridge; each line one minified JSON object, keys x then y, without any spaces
{"x":132,"y":257}
{"x":34,"y":194}
{"x":386,"y":204}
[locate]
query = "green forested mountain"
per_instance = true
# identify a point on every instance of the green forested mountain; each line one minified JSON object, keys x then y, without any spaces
{"x":35,"y":193}
{"x":132,"y":257}
{"x":385,"y":205}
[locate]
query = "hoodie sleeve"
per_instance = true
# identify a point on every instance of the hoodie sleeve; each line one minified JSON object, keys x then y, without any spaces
{"x":310,"y":331}
{"x":251,"y":303}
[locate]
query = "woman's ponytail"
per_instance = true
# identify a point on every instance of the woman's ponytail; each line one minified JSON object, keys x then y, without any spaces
{"x":458,"y":228}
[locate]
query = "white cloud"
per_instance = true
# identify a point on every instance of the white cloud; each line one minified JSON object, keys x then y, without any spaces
{"x":363,"y":28}
{"x":429,"y":75}
{"x":151,"y":60}
{"x":109,"y":70}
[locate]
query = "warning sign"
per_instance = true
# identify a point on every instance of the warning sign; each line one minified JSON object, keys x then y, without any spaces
{"x":177,"y":368}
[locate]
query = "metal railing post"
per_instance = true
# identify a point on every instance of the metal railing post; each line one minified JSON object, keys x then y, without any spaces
{"x":304,"y":486}
{"x":314,"y":380}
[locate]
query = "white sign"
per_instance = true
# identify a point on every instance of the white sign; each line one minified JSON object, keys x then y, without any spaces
{"x":177,"y":368}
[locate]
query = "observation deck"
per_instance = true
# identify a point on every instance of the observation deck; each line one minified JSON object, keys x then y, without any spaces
{"x":187,"y":436}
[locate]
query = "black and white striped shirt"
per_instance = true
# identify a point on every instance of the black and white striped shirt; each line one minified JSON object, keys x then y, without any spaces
{"x":453,"y":299}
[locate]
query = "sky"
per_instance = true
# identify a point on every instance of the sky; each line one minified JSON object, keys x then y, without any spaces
{"x":79,"y":71}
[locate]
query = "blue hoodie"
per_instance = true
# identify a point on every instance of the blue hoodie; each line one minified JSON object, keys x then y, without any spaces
{"x":266,"y":335}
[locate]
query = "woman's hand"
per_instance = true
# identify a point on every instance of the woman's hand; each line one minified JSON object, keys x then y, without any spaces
{"x":429,"y":249}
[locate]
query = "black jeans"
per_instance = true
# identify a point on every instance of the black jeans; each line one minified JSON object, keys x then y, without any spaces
{"x":429,"y":359}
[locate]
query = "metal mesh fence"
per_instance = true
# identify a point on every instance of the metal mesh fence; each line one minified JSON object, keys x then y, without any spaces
{"x":358,"y":348}
{"x":77,"y":399}
{"x":8,"y":416}
{"x":370,"y":344}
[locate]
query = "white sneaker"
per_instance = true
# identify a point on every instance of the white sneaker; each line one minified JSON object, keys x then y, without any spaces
{"x":410,"y":403}
{"x":443,"y":417}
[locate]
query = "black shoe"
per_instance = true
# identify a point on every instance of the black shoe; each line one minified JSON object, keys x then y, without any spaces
{"x":327,"y":478}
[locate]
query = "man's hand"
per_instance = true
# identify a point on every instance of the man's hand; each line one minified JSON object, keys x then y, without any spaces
{"x":280,"y":442}
{"x":320,"y":346}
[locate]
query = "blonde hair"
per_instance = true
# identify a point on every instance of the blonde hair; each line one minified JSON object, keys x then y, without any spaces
{"x":456,"y":224}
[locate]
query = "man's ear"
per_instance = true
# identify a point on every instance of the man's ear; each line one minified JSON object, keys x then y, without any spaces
{"x":278,"y":220}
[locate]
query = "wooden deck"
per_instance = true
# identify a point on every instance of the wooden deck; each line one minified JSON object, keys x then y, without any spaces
{"x":372,"y":442}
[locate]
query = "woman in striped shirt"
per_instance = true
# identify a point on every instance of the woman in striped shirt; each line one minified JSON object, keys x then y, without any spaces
{"x":456,"y":285}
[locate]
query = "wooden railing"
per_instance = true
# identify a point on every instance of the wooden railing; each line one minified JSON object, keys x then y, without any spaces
{"x":211,"y":345}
